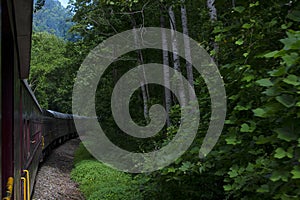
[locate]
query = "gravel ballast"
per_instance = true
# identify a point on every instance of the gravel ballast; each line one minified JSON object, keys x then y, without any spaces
{"x":53,"y":179}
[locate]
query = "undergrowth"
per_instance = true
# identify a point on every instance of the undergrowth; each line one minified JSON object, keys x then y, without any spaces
{"x":99,"y":182}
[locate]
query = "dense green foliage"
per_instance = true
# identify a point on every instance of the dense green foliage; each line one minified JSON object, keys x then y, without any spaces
{"x":51,"y":77}
{"x":257,"y":156}
{"x":52,"y":66}
{"x":99,"y":182}
{"x":258,"y":153}
{"x":53,"y":18}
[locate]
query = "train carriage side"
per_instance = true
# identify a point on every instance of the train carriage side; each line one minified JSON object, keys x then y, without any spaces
{"x":58,"y":127}
{"x":49,"y":131}
{"x":31,"y":137}
{"x":23,"y":124}
{"x":20,"y":132}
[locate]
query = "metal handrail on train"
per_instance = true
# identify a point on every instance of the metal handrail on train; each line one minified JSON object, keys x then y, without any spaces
{"x":9,"y":188}
{"x":28,"y":183}
{"x":24,"y":188}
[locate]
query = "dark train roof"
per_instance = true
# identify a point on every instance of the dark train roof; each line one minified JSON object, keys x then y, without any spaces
{"x":59,"y":115}
{"x":51,"y":113}
{"x":28,"y":88}
{"x":23,"y":22}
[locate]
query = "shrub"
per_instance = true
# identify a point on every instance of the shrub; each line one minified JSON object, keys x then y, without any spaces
{"x":98,"y":181}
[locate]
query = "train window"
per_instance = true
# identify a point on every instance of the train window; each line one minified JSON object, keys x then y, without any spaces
{"x":27,"y":138}
{"x":34,"y":135}
{"x":23,"y":140}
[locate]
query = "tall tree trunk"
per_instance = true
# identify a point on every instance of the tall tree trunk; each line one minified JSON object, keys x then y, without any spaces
{"x":142,"y":76}
{"x":115,"y":75}
{"x":176,"y":59}
{"x":213,"y":18}
{"x":212,"y":10}
{"x":140,"y":57}
{"x":166,"y":68}
{"x":187,"y":47}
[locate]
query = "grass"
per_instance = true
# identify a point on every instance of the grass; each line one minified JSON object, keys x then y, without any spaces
{"x":99,"y":182}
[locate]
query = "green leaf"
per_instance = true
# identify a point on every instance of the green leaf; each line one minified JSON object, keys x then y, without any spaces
{"x":239,"y":9}
{"x":185,"y":166}
{"x":290,"y":152}
{"x":271,"y":92}
{"x":294,"y":15}
{"x":263,"y":140}
{"x":277,"y":175}
{"x":217,"y":29}
{"x":272,"y":23}
{"x":289,"y":43}
{"x":233,"y":97}
{"x":240,"y":107}
{"x":247,"y":26}
{"x":263,"y":189}
{"x":286,"y":134}
{"x":265,"y":82}
{"x":233,"y":174}
{"x":248,"y":78}
{"x":286,"y":100}
{"x":195,"y":150}
{"x":171,"y":170}
{"x":232,"y":140}
{"x":256,"y":152}
{"x":248,"y":129}
{"x":250,"y":167}
{"x":229,"y":121}
{"x":296,"y":172}
{"x":239,"y":42}
{"x":292,"y":80}
{"x":271,"y":54}
{"x":218,"y":38}
{"x":227,"y":187}
{"x":259,"y":112}
{"x":278,"y":72}
{"x":290,"y":59}
{"x":280,"y":153}
{"x":254,"y":4}
{"x":286,"y":26}
{"x":178,"y":160}
{"x":245,"y":55}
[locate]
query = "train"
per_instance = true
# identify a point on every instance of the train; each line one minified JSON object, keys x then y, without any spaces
{"x":27,"y":132}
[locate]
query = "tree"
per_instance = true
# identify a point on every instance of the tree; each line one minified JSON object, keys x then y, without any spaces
{"x":176,"y":60}
{"x":166,"y":69}
{"x":256,"y":45}
{"x":50,"y":16}
{"x":187,"y":48}
{"x":213,"y":18}
{"x":142,"y":77}
{"x":50,"y":77}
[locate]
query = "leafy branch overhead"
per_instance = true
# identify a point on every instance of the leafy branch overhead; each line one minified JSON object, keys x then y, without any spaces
{"x":256,"y":45}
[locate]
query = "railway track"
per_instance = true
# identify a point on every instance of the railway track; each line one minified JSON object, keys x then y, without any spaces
{"x":53,"y":179}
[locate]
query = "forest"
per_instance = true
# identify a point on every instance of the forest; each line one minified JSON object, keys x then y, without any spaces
{"x":255,"y":44}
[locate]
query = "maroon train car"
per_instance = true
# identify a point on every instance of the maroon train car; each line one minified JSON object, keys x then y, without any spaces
{"x":21,"y":126}
{"x":26,"y":131}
